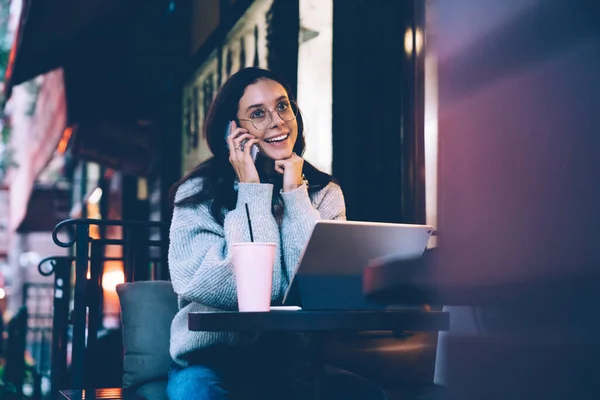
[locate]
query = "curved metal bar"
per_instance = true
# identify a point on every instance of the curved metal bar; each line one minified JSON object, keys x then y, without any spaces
{"x":52,"y":261}
{"x":70,"y":229}
{"x":70,"y":226}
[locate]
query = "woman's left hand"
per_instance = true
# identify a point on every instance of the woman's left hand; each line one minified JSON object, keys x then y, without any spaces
{"x":291,"y":168}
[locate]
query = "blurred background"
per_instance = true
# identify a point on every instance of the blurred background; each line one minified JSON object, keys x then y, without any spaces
{"x":104,"y":104}
{"x":104,"y":101}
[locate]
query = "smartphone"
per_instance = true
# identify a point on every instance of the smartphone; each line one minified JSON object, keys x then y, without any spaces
{"x":253,"y":151}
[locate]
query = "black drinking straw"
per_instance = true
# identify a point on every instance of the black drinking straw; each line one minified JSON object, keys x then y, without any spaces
{"x":249,"y":223}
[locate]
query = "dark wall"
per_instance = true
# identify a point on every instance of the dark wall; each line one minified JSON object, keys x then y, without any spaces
{"x":377,"y":110}
{"x":124,"y":66}
{"x":282,"y":40}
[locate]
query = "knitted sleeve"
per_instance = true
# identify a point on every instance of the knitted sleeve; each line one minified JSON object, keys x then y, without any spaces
{"x":299,"y":217}
{"x":199,"y":250}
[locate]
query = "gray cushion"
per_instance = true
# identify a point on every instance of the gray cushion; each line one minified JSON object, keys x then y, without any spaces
{"x":147,"y":309}
{"x":156,"y":390}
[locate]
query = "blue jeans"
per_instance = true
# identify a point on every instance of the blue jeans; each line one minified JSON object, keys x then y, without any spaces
{"x":196,"y":382}
{"x":200,"y":382}
{"x":240,"y":378}
{"x":275,"y":368}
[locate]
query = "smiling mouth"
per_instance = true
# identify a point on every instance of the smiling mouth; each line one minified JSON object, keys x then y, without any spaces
{"x":278,"y":139}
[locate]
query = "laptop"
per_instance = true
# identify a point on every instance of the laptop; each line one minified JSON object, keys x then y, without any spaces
{"x":330,"y":270}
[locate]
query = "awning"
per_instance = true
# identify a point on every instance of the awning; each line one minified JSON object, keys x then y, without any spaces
{"x":115,"y":68}
{"x":36,"y":143}
{"x":47,"y":31}
{"x":47,"y":206}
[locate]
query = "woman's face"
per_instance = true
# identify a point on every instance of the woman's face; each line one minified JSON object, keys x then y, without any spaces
{"x":277,"y":137}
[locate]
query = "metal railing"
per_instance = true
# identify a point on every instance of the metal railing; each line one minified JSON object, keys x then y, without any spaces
{"x":17,"y":373}
{"x":36,"y":297}
{"x":139,"y":262}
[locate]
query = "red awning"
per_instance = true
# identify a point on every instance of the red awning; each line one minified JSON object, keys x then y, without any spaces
{"x":37,"y":142}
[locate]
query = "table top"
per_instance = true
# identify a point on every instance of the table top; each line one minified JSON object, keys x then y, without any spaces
{"x":319,"y":321}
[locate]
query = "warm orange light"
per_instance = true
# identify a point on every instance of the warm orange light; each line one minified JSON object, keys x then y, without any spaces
{"x":11,"y":60}
{"x":93,"y":211}
{"x":111,"y":279}
{"x":64,"y":140}
{"x":94,"y":229}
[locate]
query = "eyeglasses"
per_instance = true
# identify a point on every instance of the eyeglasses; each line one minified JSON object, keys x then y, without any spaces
{"x":262,"y":119}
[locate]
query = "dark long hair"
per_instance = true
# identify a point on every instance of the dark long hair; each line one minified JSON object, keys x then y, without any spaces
{"x":218,"y":175}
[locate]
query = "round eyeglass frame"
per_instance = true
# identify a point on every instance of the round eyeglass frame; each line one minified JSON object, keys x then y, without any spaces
{"x":270,"y":113}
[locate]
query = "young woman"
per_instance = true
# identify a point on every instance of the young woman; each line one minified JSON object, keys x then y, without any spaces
{"x":286,"y":196}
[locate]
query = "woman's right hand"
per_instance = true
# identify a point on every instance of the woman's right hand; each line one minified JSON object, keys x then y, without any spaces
{"x":242,"y":160}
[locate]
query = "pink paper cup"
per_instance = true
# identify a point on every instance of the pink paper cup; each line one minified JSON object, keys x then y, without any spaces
{"x":253,"y":266}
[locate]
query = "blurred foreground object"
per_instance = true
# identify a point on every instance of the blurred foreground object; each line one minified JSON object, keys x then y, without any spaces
{"x":518,"y":202}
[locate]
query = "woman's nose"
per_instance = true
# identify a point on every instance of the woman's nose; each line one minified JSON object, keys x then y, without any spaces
{"x":276,"y":120}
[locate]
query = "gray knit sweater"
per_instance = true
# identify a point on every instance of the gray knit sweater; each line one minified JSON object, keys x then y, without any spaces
{"x":199,"y":252}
